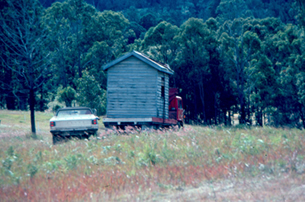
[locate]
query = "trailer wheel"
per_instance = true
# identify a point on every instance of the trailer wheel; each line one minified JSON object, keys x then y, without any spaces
{"x":110,"y":127}
{"x":180,"y":124}
{"x":148,"y":128}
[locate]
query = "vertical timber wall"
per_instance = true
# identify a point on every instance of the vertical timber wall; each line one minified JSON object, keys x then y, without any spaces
{"x":162,"y":95}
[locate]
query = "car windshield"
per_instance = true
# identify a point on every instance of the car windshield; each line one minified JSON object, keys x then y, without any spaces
{"x":74,"y":112}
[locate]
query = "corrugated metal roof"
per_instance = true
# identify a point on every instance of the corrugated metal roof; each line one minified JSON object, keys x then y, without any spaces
{"x":157,"y":65}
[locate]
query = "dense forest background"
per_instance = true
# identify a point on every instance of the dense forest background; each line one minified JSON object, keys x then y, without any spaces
{"x":229,"y":56}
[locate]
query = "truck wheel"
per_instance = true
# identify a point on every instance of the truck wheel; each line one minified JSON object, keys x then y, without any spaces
{"x":110,"y":128}
{"x":180,"y":124}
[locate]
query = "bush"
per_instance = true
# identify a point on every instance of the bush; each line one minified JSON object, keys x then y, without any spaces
{"x":90,"y":94}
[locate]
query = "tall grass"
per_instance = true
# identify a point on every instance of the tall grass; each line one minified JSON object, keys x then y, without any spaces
{"x":141,"y":166}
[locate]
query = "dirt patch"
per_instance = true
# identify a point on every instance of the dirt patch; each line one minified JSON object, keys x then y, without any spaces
{"x":284,"y":188}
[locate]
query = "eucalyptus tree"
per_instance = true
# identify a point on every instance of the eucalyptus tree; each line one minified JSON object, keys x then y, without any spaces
{"x":291,"y":79}
{"x":161,"y":42}
{"x":75,"y":28}
{"x":274,"y":74}
{"x":300,"y":83}
{"x":200,"y":71}
{"x":280,"y":46}
{"x":83,"y":39}
{"x":263,"y":83}
{"x":65,"y":22}
{"x":106,"y":33}
{"x":24,"y":54}
{"x":301,"y":14}
{"x":239,"y":47}
{"x":232,"y":9}
{"x":261,"y":86}
{"x":195,"y":58}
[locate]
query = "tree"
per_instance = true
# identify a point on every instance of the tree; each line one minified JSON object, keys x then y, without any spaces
{"x":76,"y":28}
{"x":67,"y":95}
{"x":84,"y":40}
{"x":195,"y":38}
{"x":90,"y":94}
{"x":232,"y":9}
{"x":67,"y":23}
{"x":263,"y":86}
{"x":162,"y":38}
{"x":148,"y":20}
{"x":301,"y":12}
{"x":24,"y":55}
{"x":291,"y":78}
{"x":239,"y":47}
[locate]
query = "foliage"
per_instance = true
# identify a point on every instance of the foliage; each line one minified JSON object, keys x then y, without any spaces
{"x":24,"y":56}
{"x":229,"y":57}
{"x":148,"y":20}
{"x":90,"y":94}
{"x":66,"y":95}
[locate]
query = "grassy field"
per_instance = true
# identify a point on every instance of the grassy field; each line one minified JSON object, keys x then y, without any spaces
{"x":193,"y":164}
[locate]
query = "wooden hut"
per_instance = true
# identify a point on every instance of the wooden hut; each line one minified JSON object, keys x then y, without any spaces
{"x":137,"y":87}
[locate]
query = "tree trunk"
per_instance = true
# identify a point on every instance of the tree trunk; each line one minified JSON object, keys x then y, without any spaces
{"x":10,"y":101}
{"x":249,"y":119}
{"x":201,"y":92}
{"x":302,"y":114}
{"x":195,"y":114}
{"x":32,"y":109}
{"x":242,"y":119}
{"x":303,"y":117}
{"x":215,"y":110}
{"x":68,"y":103}
{"x":259,"y":117}
{"x":225,"y":117}
{"x":22,"y":101}
{"x":229,"y":118}
{"x":216,"y":101}
{"x":62,"y":71}
{"x":79,"y":65}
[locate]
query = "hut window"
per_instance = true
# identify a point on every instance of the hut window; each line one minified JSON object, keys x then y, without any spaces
{"x":162,"y":92}
{"x":162,"y":87}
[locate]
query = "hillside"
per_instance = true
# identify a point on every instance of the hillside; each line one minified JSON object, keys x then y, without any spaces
{"x":230,"y":57}
{"x":177,"y":12}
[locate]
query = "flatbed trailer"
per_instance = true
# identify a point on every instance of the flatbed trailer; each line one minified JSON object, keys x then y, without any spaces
{"x":153,"y":122}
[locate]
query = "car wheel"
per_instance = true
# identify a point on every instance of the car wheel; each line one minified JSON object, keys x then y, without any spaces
{"x":56,"y":138}
{"x":85,"y":136}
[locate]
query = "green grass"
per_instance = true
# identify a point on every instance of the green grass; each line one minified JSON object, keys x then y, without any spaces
{"x":20,"y":121}
{"x":121,"y":167}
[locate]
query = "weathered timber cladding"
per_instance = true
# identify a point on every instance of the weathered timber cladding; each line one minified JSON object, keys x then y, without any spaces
{"x":137,"y":87}
{"x":131,"y":89}
{"x":162,"y":100}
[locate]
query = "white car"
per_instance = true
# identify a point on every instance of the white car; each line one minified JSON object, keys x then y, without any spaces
{"x":73,"y":122}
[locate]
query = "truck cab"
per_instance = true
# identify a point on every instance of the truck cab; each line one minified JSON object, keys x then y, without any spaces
{"x":175,"y":108}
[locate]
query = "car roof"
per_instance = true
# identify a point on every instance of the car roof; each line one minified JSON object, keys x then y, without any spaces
{"x":74,"y":108}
